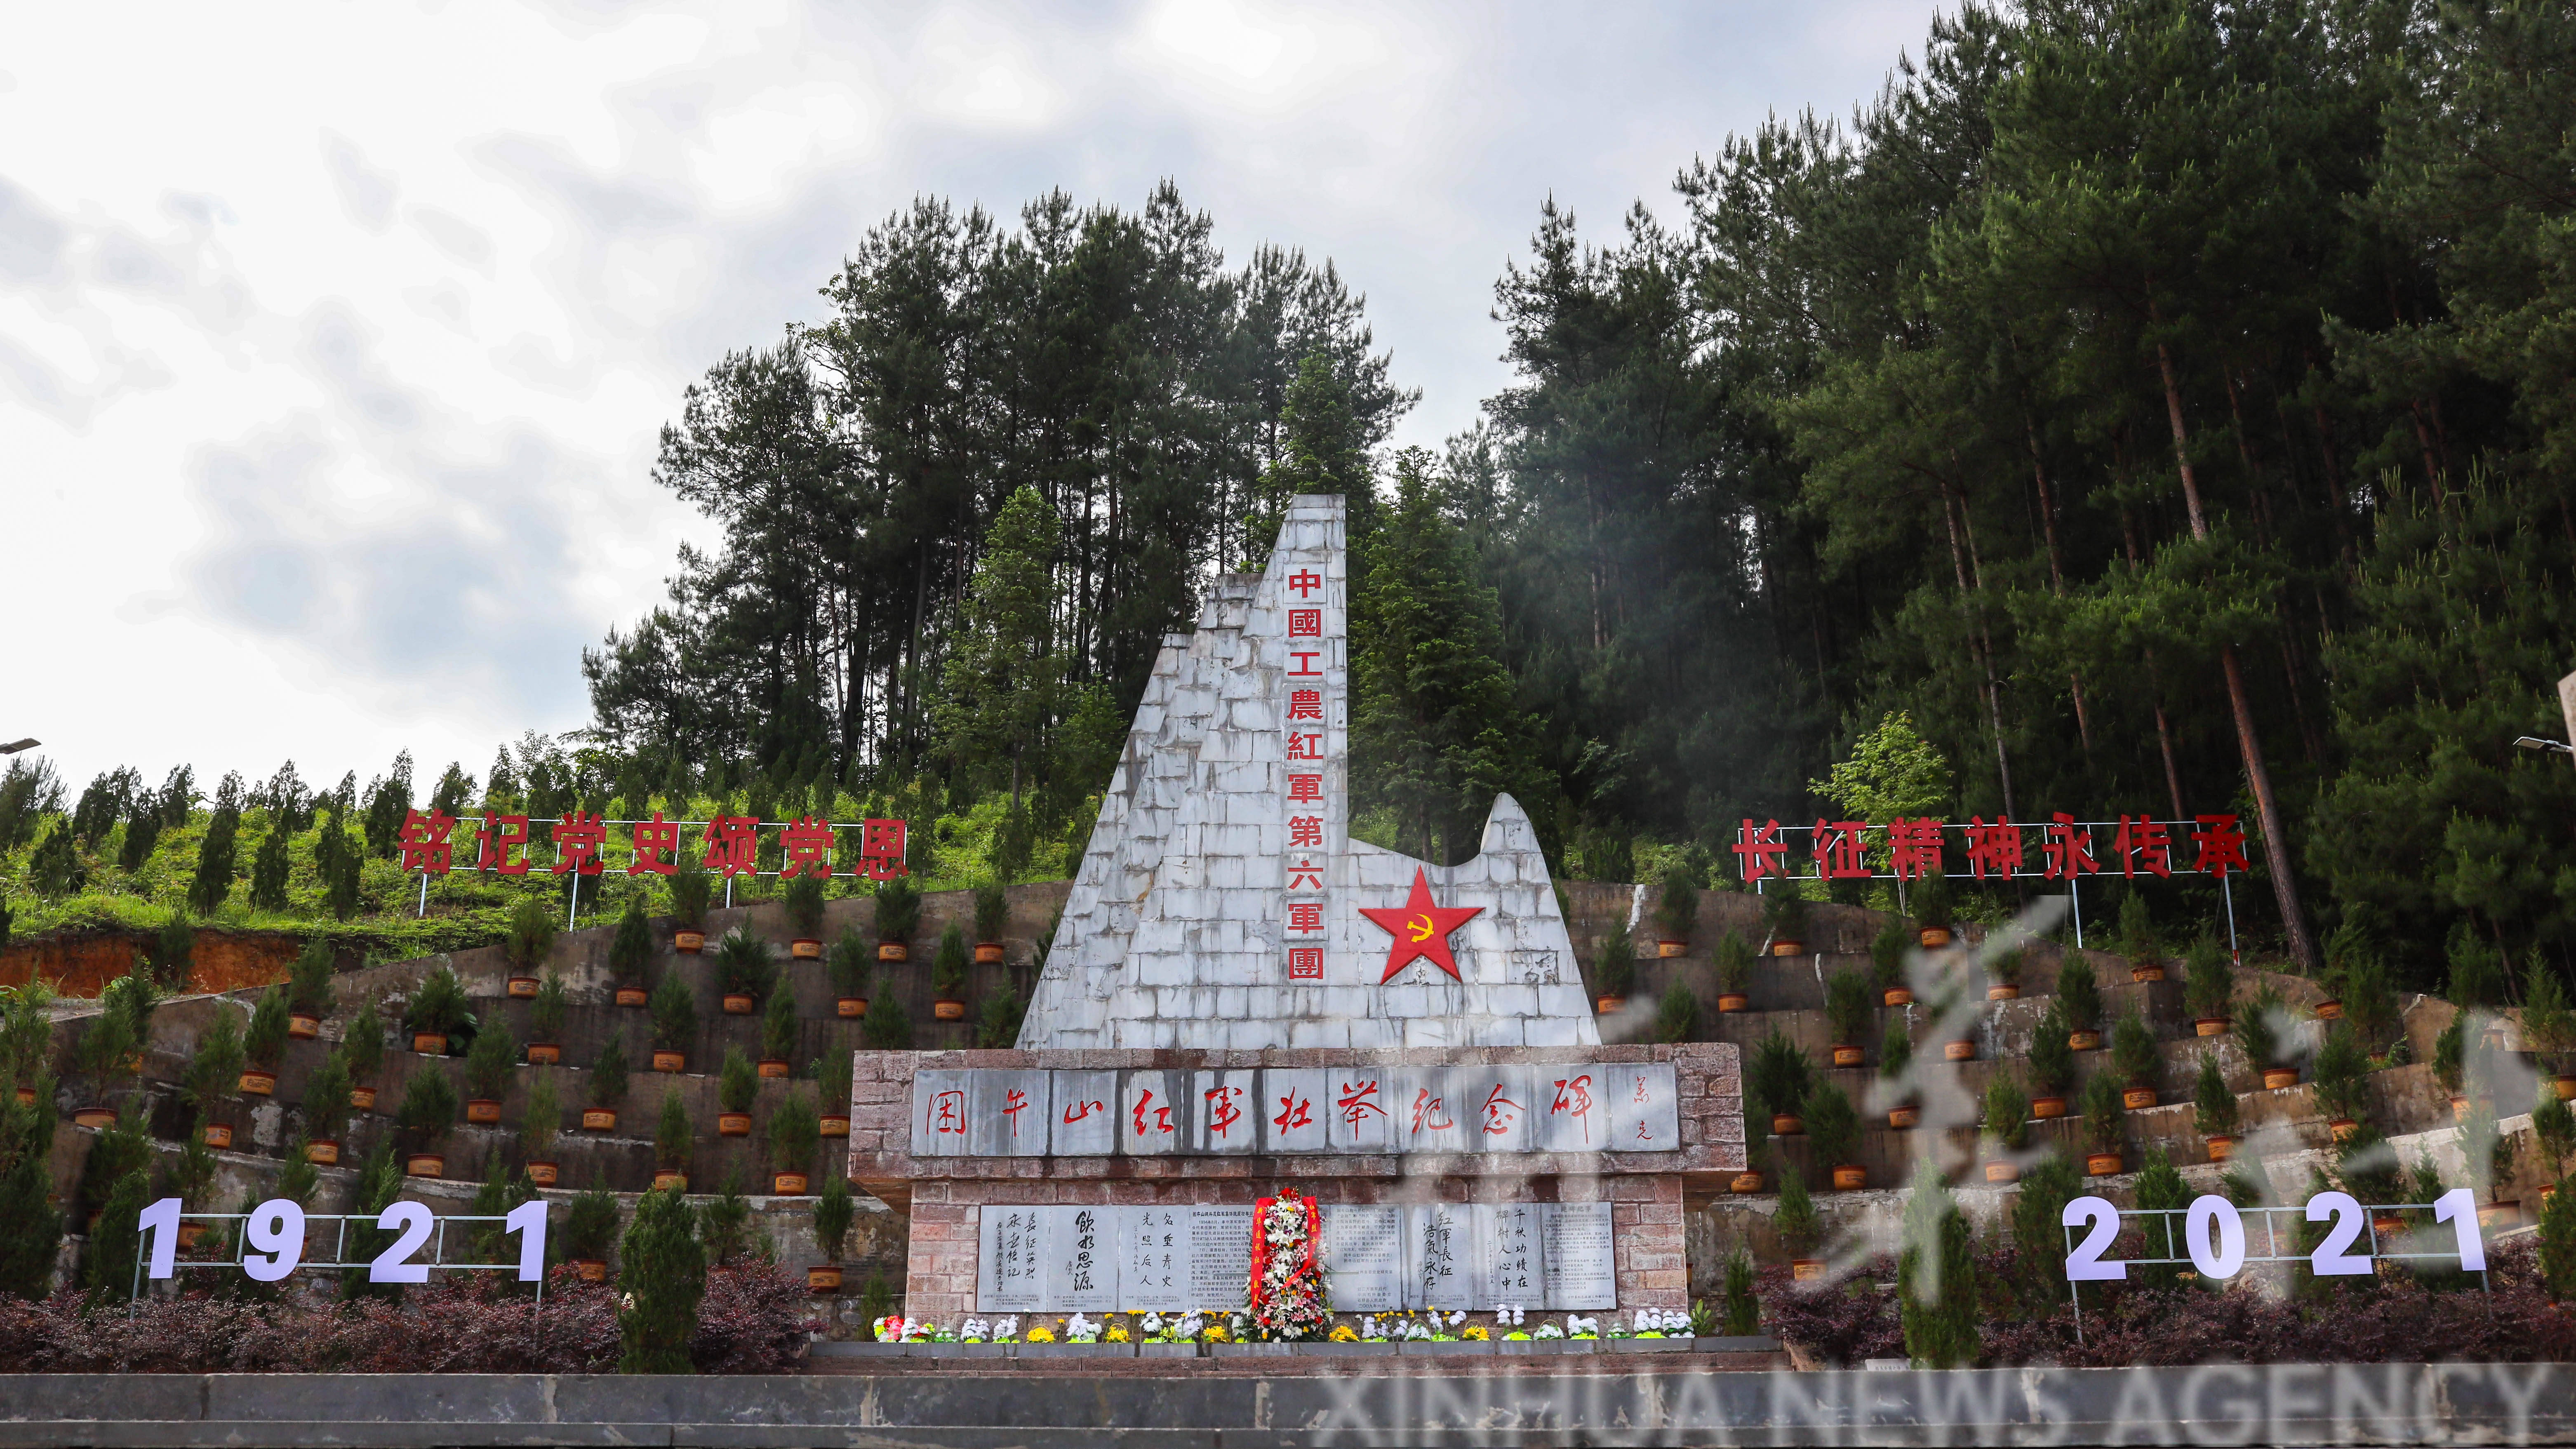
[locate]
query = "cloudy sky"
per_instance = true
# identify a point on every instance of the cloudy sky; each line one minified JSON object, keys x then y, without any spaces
{"x":334,"y":338}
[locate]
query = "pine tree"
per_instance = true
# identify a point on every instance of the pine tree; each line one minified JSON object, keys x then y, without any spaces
{"x":1002,"y":667}
{"x":662,"y":1275}
{"x":268,"y":867}
{"x":31,"y":1228}
{"x":1936,"y":1276}
{"x":214,"y":878}
{"x":55,"y":867}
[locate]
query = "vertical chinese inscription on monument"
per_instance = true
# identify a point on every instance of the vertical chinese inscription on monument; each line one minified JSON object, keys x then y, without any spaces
{"x":1312,"y":609}
{"x":1514,"y":1265}
{"x":1153,"y":1259}
{"x":1220,"y":1256}
{"x":1443,"y":1256}
{"x":1574,"y":1237}
{"x":1008,"y":1278}
{"x":1081,"y":1259}
{"x":1364,"y":1257}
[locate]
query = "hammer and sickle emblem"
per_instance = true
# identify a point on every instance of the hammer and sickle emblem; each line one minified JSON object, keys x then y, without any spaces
{"x":1421,"y":927}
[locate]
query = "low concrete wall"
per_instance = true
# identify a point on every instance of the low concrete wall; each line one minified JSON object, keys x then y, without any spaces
{"x":2216,"y":1404}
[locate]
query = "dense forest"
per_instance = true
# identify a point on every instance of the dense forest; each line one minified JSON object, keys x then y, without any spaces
{"x":2165,"y":405}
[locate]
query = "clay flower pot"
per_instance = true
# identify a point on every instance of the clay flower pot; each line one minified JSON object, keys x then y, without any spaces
{"x":2387,"y":1226}
{"x":544,"y":1174}
{"x":545,"y":1053}
{"x":633,"y":996}
{"x":2004,"y":991}
{"x":2276,"y":1078}
{"x":1932,"y":937}
{"x":2342,"y":1128}
{"x":2329,"y":1009}
{"x":216,"y":1134}
{"x":2146,"y":973}
{"x":2209,"y":1025}
{"x":2459,"y":1109}
{"x":2138,"y":1099}
{"x":738,"y":1003}
{"x":2044,"y":1108}
{"x":1962,"y":1050}
{"x":191,"y":1234}
{"x":1901,"y":1118}
{"x":823,"y":1278}
{"x":302,"y":1027}
{"x":835,"y":1126}
{"x":425,"y":1164}
{"x":96,"y":1118}
{"x":733,"y":1124}
{"x":2221,"y":1147}
{"x":324,"y":1153}
{"x":2499,"y":1214}
{"x":893,"y":951}
{"x":688,"y":943}
{"x":258,"y":1083}
{"x":773,"y":1067}
{"x":1849,"y":1177}
{"x":805,"y":948}
{"x":1847,"y":1055}
{"x":2084,"y":1041}
{"x":2565,"y":1083}
{"x":1667,"y":950}
{"x":363,"y":1098}
{"x":1786,"y":1124}
{"x":1747,"y":1181}
{"x":429,"y":1043}
{"x":1733,"y":1001}
{"x":787,"y":1184}
{"x":1896,"y":996}
{"x":988,"y":953}
{"x":599,"y":1119}
{"x":670,"y":1061}
{"x":851,"y":1008}
{"x":947,"y":1010}
{"x":482,"y":1111}
{"x":2002,"y":1171}
{"x":592,"y":1270}
{"x":670,"y":1177}
{"x":1789,"y":946}
{"x":1605,"y":1005}
{"x":26,"y":1096}
{"x":2102,"y":1164}
{"x":521,"y":987}
{"x":1806,"y":1270}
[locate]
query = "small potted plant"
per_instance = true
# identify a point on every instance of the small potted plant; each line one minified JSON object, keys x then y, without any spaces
{"x":850,"y":968}
{"x":742,"y":970}
{"x":1798,"y":1227}
{"x":489,"y":1063}
{"x":833,"y":1213}
{"x":1833,"y":1130}
{"x":672,"y":1139}
{"x":778,"y":1031}
{"x":2006,"y":968}
{"x":1778,"y":1084}
{"x":793,"y":1131}
{"x":1785,"y":912}
{"x":427,"y":1115}
{"x":590,"y":1230}
{"x":805,"y":913}
{"x":2342,"y":1076}
{"x":2258,"y":1025}
{"x":1887,"y":964}
{"x":2006,"y":1130}
{"x":326,"y":1110}
{"x":675,"y":1023}
{"x":2135,"y":1062}
{"x":546,"y":1022}
{"x":948,"y":976}
{"x":264,"y":1044}
{"x":2050,"y":1063}
{"x":213,"y":1079}
{"x":1676,"y":911}
{"x":308,"y":989}
{"x":364,"y":1046}
{"x":630,"y":950}
{"x":2138,"y":940}
{"x":530,"y":938}
{"x":737,"y":1086}
{"x":690,"y":887}
{"x":1734,"y":972}
{"x":1614,"y":969}
{"x":898,"y":916}
{"x":437,"y":1011}
{"x":832,"y":1092}
{"x":1895,"y":1058}
{"x":1847,"y":999}
{"x":540,"y":1123}
{"x":607,"y":1085}
{"x":992,"y":918}
{"x":1933,"y":913}
{"x":2081,"y":996}
{"x":100,"y":1059}
{"x":2213,"y":1109}
{"x":1751,"y":1178}
{"x":2548,"y":1028}
{"x":2103,"y":1130}
{"x":2208,"y":986}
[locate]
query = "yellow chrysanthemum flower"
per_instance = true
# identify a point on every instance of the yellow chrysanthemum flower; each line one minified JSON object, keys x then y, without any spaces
{"x":1041,"y":1334}
{"x":1475,"y":1333}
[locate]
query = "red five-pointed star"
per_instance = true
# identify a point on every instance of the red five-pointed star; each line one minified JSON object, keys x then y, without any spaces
{"x":1421,"y":929}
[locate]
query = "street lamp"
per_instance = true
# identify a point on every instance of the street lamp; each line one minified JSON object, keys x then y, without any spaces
{"x":2531,"y":742}
{"x":12,"y":749}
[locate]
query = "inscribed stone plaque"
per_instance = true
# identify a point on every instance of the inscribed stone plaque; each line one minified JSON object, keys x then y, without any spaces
{"x":1574,"y":1239}
{"x":1296,"y":1109}
{"x":1007,"y":1113}
{"x":1494,"y":1107}
{"x":1363,"y":1119}
{"x":1150,"y":1120}
{"x":1440,"y":1254}
{"x":939,"y":1114}
{"x":1364,"y":1257}
{"x":1081,"y":1259}
{"x":1153,"y":1259}
{"x":1426,"y":1117}
{"x":1220,"y":1257}
{"x":1511,"y":1258}
{"x":1644,"y":1115}
{"x":1083,"y":1118}
{"x":1011,"y":1243}
{"x":1227,"y":1118}
{"x":1571,"y":1115}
